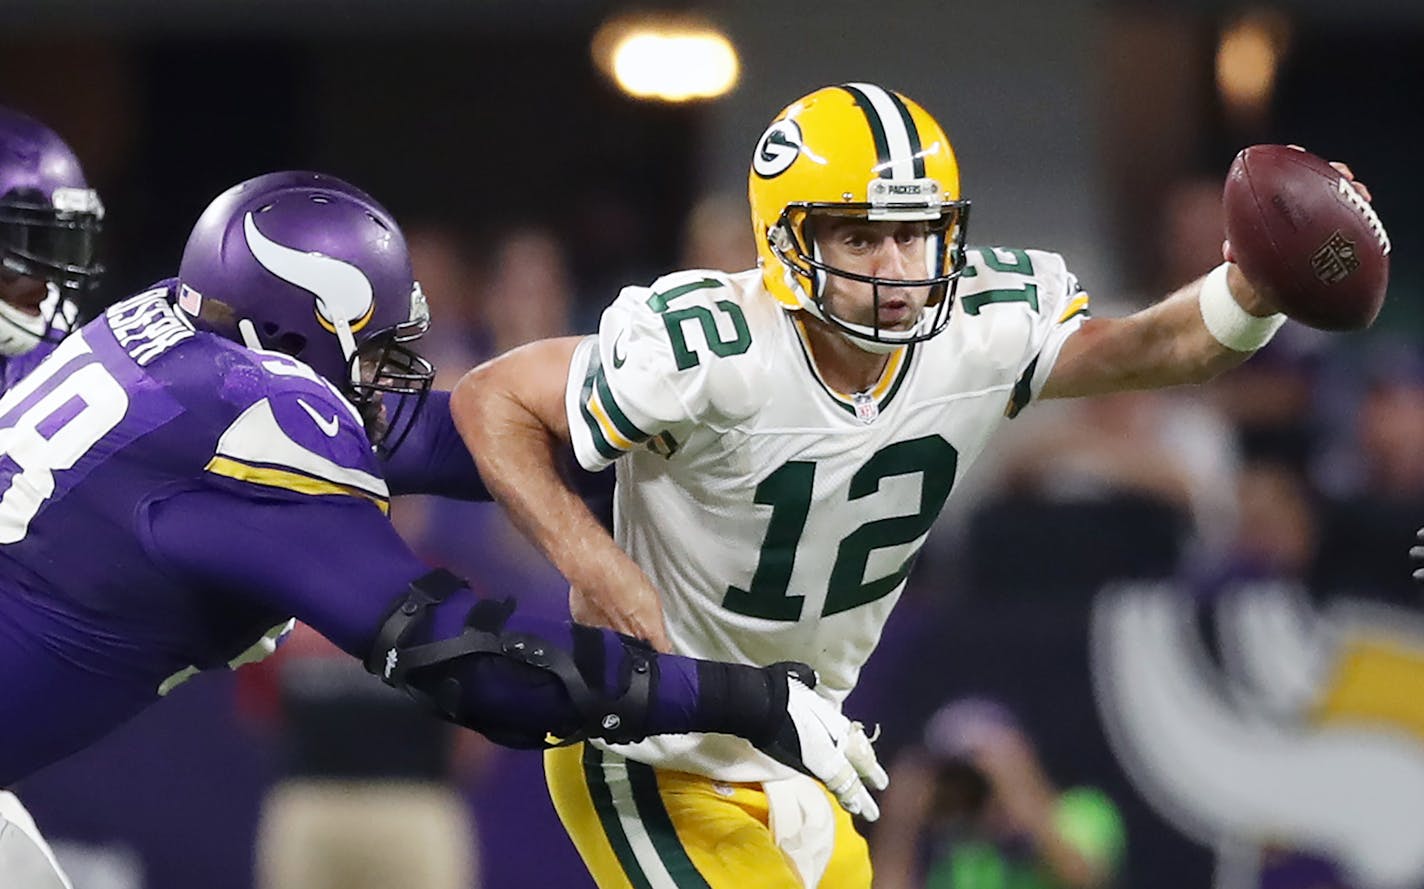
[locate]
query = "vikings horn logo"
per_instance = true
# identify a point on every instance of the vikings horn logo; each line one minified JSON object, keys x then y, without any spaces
{"x":341,"y":290}
{"x":1307,"y":735}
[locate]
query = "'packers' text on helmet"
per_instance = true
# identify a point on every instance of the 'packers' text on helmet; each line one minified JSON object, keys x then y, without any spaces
{"x":864,"y":151}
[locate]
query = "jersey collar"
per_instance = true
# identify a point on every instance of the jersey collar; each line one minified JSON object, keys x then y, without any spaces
{"x":866,"y":405}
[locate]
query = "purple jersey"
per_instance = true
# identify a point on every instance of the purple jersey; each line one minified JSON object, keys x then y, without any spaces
{"x":167,"y":497}
{"x":129,"y":458}
{"x":13,"y":368}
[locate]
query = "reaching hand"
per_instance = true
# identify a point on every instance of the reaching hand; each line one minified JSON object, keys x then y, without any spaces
{"x":818,"y":740}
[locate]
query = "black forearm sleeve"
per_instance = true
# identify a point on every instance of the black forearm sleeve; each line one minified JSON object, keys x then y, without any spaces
{"x":527,"y":682}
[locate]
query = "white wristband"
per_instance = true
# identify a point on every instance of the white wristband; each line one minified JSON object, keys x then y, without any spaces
{"x":1232,"y":326}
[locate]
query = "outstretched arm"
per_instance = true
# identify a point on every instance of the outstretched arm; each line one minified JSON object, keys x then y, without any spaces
{"x":1167,"y":344}
{"x":336,"y":564}
{"x":1209,"y":326}
{"x":510,"y":412}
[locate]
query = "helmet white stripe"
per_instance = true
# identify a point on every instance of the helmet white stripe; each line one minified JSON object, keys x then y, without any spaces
{"x":897,"y":137}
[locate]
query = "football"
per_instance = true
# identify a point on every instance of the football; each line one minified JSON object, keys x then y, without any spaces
{"x":1300,"y":229}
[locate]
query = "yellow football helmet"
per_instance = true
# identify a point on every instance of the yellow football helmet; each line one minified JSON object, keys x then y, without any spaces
{"x":862,"y":150}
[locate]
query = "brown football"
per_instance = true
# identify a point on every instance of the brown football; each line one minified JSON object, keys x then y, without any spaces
{"x":1301,"y":230}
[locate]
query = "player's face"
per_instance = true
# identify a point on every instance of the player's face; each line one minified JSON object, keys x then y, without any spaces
{"x":893,"y":250}
{"x":23,"y":293}
{"x":373,"y":410}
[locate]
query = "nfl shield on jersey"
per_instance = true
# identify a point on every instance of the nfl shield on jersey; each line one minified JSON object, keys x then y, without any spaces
{"x":778,"y":517}
{"x":135,"y":408}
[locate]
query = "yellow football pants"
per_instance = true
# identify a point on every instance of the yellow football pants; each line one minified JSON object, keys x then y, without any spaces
{"x":643,"y":828}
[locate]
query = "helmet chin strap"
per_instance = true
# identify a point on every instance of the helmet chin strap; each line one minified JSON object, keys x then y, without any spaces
{"x":248,"y":331}
{"x":875,"y":347}
{"x":348,"y":347}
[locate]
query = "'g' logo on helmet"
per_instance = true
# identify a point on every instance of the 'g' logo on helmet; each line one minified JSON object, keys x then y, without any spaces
{"x":778,"y":149}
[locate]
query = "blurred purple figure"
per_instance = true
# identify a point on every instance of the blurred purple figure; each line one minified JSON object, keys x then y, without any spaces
{"x":49,"y":224}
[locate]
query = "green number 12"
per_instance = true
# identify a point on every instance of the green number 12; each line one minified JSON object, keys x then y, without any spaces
{"x":788,"y":491}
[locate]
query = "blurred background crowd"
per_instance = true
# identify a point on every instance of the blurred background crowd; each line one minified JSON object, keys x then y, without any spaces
{"x":532,"y":183}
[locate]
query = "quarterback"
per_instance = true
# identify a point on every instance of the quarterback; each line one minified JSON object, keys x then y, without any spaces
{"x":784,"y":438}
{"x":200,"y":464}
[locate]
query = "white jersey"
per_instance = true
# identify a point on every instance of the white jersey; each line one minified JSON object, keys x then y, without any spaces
{"x":777,"y":517}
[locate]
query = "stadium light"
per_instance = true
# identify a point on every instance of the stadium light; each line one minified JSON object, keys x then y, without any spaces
{"x":666,"y":59}
{"x":1247,"y":60}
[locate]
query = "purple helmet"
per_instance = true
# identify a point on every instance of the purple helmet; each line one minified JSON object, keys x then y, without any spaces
{"x":310,"y":266}
{"x":49,"y":216}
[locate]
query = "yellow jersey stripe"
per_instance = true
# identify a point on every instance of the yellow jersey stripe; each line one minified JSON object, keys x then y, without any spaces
{"x":610,"y":431}
{"x":892,"y":367}
{"x":288,"y":480}
{"x":887,"y":376}
{"x":1078,"y":304}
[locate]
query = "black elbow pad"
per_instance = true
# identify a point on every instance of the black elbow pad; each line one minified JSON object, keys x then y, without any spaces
{"x":444,"y":674}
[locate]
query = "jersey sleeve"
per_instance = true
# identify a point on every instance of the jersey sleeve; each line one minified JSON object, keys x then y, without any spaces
{"x":334,"y":563}
{"x":432,"y":458}
{"x":1036,"y":285}
{"x":299,"y":439}
{"x":666,"y":359}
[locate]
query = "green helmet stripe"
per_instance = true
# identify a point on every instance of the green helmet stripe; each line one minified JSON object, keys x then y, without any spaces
{"x":877,"y":129}
{"x":917,"y":151}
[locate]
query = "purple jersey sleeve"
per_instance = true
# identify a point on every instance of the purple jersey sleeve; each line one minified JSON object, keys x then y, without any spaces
{"x":433,"y":458}
{"x":333,"y":562}
{"x":337,"y":564}
{"x":14,"y":368}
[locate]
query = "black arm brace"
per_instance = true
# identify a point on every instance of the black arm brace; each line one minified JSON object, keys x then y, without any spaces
{"x":431,"y":672}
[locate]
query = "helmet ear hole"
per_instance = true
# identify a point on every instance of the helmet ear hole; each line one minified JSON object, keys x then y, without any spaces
{"x":269,"y":328}
{"x":289,"y":343}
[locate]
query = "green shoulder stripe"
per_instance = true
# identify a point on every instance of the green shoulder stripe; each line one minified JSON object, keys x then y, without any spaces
{"x":600,"y":441}
{"x":658,"y":302}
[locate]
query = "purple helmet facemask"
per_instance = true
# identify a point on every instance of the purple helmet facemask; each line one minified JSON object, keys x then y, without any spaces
{"x":310,"y":266}
{"x":49,"y":224}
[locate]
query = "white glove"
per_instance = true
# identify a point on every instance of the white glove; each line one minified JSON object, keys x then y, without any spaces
{"x":818,"y":740}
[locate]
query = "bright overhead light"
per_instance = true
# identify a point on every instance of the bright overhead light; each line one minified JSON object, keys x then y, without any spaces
{"x":1248,"y":59}
{"x":669,"y":59}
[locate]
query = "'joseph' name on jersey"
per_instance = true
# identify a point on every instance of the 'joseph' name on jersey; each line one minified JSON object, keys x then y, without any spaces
{"x":778,"y":517}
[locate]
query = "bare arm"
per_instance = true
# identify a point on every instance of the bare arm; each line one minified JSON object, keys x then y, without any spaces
{"x":1167,"y":344}
{"x":510,"y":412}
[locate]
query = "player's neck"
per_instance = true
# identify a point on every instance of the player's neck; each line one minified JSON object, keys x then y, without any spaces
{"x":844,"y":366}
